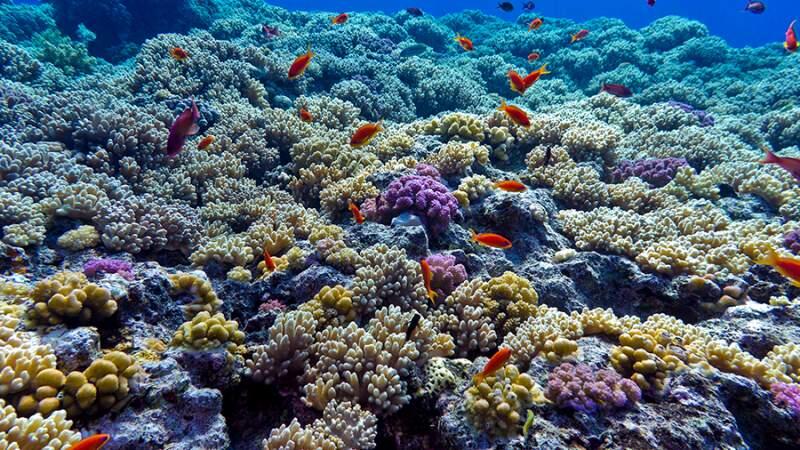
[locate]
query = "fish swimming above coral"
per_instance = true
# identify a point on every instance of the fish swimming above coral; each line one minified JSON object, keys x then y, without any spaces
{"x":185,"y":125}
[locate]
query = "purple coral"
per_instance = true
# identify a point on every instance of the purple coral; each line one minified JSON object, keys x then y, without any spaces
{"x":580,"y":388}
{"x":108,"y":265}
{"x":447,"y":275}
{"x":657,"y":171}
{"x":792,"y":241}
{"x":427,"y":170}
{"x":705,"y":119}
{"x":421,"y":195}
{"x":787,"y":395}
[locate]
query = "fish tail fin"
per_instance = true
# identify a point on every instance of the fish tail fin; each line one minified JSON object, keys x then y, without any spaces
{"x":473,"y":235}
{"x":574,"y":38}
{"x":502,"y":106}
{"x":543,"y":70}
{"x":478,"y":379}
{"x":769,"y":157}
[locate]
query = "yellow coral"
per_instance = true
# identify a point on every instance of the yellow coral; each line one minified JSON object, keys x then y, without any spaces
{"x":204,"y":297}
{"x":206,"y":332}
{"x":103,"y":386}
{"x":85,"y":236}
{"x":496,"y":405}
{"x":68,"y":296}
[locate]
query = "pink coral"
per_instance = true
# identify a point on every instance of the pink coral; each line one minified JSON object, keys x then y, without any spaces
{"x":580,"y":388}
{"x":447,"y":275}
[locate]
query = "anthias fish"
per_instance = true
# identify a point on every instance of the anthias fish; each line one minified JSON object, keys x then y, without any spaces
{"x":533,"y":56}
{"x":618,"y":90}
{"x":178,"y":54}
{"x":535,"y":24}
{"x":791,"y":165}
{"x":269,"y":263}
{"x":340,"y":19}
{"x":510,"y":186}
{"x":490,"y":240}
{"x":534,"y":76}
{"x":791,"y":38}
{"x":464,"y":42}
{"x":205,"y":142}
{"x":497,"y":361}
{"x":579,"y":36}
{"x":365,"y":134}
{"x":515,"y":114}
{"x":300,"y":64}
{"x":357,"y":216}
{"x":517,"y":82}
{"x":93,"y":442}
{"x":416,"y":12}
{"x":305,"y":116}
{"x":185,"y":125}
{"x":755,"y":7}
{"x":427,"y":276}
{"x":787,"y":266}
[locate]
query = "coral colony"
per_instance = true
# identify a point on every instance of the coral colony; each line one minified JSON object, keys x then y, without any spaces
{"x":225,"y":225}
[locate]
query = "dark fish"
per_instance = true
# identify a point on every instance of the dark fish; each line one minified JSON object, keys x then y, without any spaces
{"x":270,"y":32}
{"x":416,"y":12}
{"x":412,"y":325}
{"x":506,"y":6}
{"x":755,"y":7}
{"x":528,"y":6}
{"x":413,"y":50}
{"x":619,"y":90}
{"x":651,"y":2}
{"x":547,"y":154}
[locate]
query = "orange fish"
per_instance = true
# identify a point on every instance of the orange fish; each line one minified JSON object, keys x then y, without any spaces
{"x":579,"y":36}
{"x":178,"y":54}
{"x":791,"y":38}
{"x":93,"y":442}
{"x":427,"y":275}
{"x":340,"y":19}
{"x":517,"y":115}
{"x":268,"y":262}
{"x":305,"y":116}
{"x":490,"y":240}
{"x":205,"y":142}
{"x":300,"y":64}
{"x":534,"y":76}
{"x":365,"y":134}
{"x":357,"y":216}
{"x":789,"y":164}
{"x":464,"y":42}
{"x":533,"y":56}
{"x":511,"y":186}
{"x":535,"y":24}
{"x":517,"y":82}
{"x":497,"y":361}
{"x":784,"y":265}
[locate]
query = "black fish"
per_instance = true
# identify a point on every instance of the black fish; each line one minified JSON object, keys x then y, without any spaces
{"x":416,"y":12}
{"x":412,"y":325}
{"x":528,"y":6}
{"x":506,"y":6}
{"x":755,"y":7}
{"x":547,"y":154}
{"x":413,"y":50}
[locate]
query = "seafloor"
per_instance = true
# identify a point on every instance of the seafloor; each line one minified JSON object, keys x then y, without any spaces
{"x":135,"y":299}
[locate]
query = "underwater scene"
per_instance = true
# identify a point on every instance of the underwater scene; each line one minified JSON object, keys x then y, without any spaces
{"x":244,"y":225}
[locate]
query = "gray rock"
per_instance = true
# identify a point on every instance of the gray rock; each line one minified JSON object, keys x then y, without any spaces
{"x":209,"y":368}
{"x":413,"y":239}
{"x":74,"y":348}
{"x":757,"y":327}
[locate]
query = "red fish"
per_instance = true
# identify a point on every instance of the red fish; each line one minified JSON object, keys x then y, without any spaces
{"x":791,"y":38}
{"x":269,"y":264}
{"x":305,"y":116}
{"x":784,"y":265}
{"x":185,"y":125}
{"x":618,"y":90}
{"x":300,"y":64}
{"x":517,"y":115}
{"x":93,"y":442}
{"x":340,"y":19}
{"x":517,"y":82}
{"x":364,"y":134}
{"x":511,"y":186}
{"x":427,"y":276}
{"x":464,"y":42}
{"x":497,"y":361}
{"x":357,"y":216}
{"x":534,"y":76}
{"x":178,"y":54}
{"x":490,"y":240}
{"x":205,"y":142}
{"x":579,"y":36}
{"x":791,"y":165}
{"x":535,"y":24}
{"x":533,"y":56}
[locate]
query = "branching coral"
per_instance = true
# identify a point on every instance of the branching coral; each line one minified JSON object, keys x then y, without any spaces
{"x":580,"y":388}
{"x":497,"y":404}
{"x":420,"y":195}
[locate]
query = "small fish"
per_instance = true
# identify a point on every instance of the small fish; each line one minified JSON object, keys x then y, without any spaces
{"x":791,"y":165}
{"x":300,"y":64}
{"x":205,"y":142}
{"x":357,"y":216}
{"x":270,"y":32}
{"x":528,"y":6}
{"x":497,"y":361}
{"x":517,"y":115}
{"x":511,"y":186}
{"x":412,"y":325}
{"x":178,"y":54}
{"x":464,"y":42}
{"x":185,"y":125}
{"x":93,"y":442}
{"x":413,"y":50}
{"x":506,"y":6}
{"x":517,"y":82}
{"x":416,"y":12}
{"x":787,"y":266}
{"x":365,"y":134}
{"x":528,"y":423}
{"x":535,"y":24}
{"x":490,"y":240}
{"x":305,"y":116}
{"x":755,"y":7}
{"x":534,"y":76}
{"x":580,"y":35}
{"x":427,"y":276}
{"x":618,"y":90}
{"x":269,"y":264}
{"x":547,"y":155}
{"x":651,"y":2}
{"x":533,"y":56}
{"x":340,"y":19}
{"x":791,"y":39}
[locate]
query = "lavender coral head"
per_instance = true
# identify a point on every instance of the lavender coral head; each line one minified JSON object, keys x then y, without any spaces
{"x":657,"y":171}
{"x":792,"y":241}
{"x":108,"y":265}
{"x":705,"y":119}
{"x":580,"y":388}
{"x":447,"y":275}
{"x":420,"y":195}
{"x":788,"y":396}
{"x":427,"y":170}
